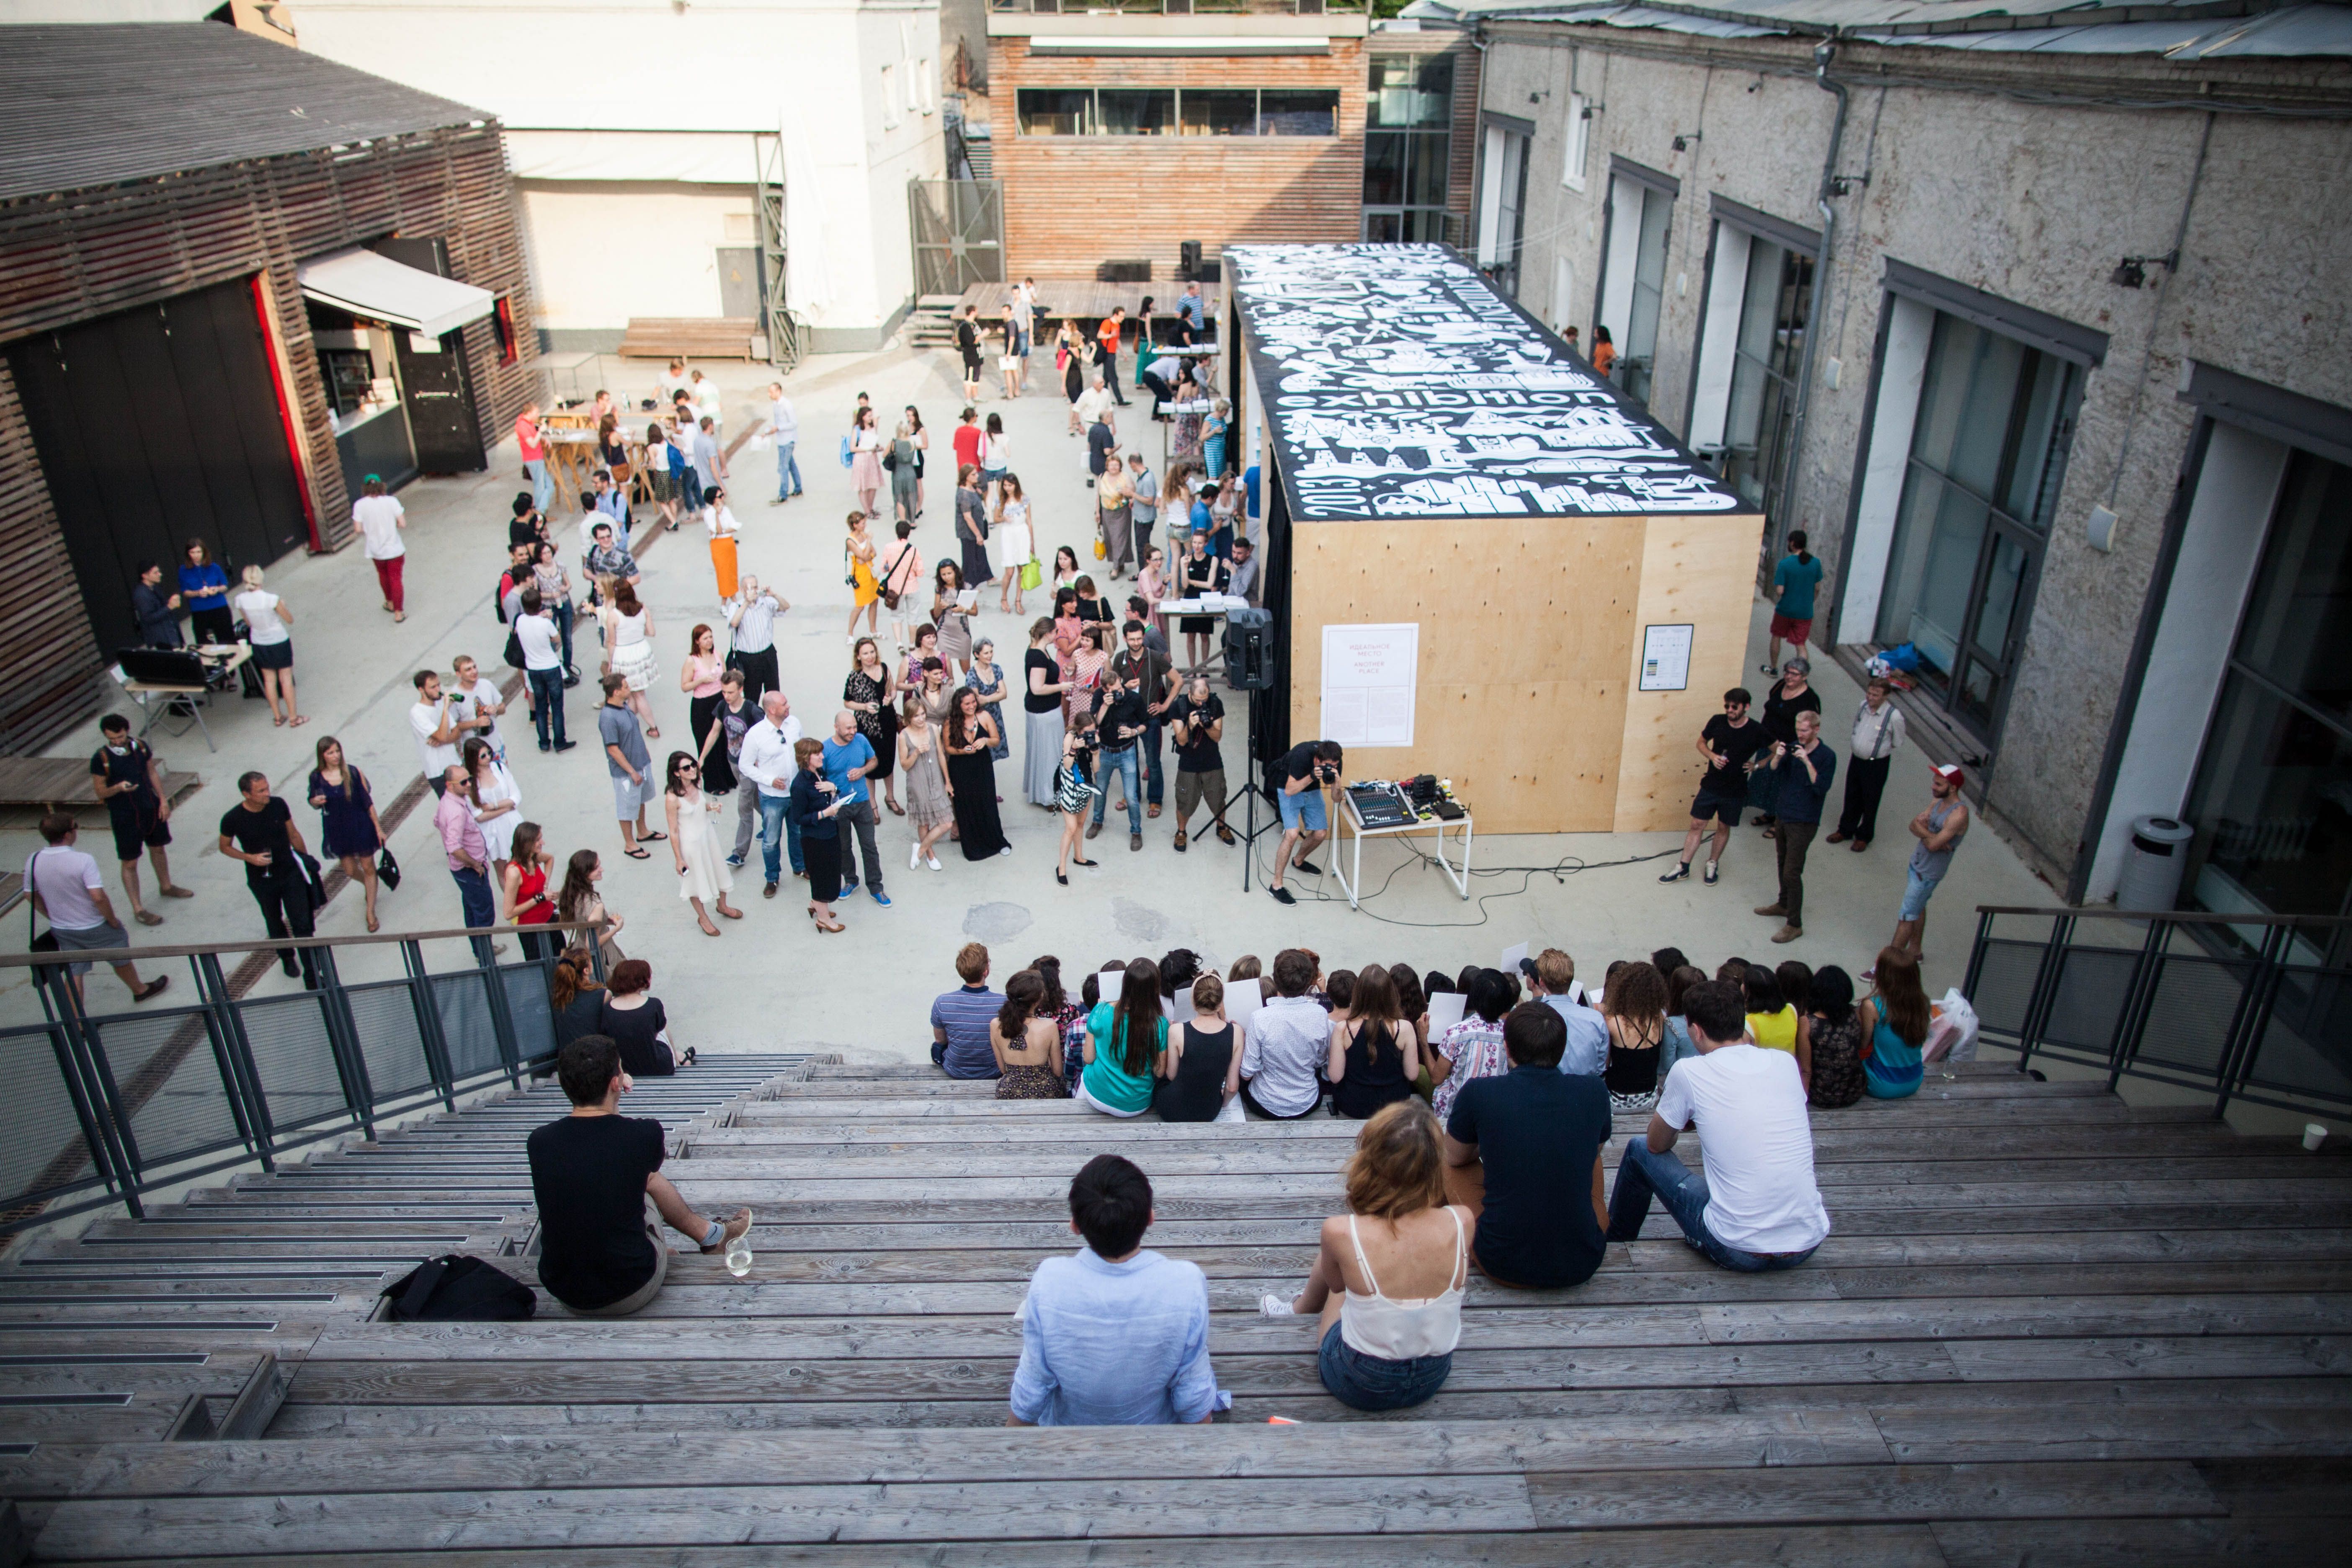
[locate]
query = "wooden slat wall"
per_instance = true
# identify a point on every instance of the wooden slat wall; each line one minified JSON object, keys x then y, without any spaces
{"x":71,"y":258}
{"x":1072,"y":202}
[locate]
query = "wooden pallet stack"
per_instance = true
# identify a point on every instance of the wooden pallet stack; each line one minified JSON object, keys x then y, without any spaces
{"x":2046,"y":1328}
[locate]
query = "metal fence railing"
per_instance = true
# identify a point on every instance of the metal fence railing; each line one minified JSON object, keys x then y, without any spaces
{"x":2252,"y":1007}
{"x":105,"y":1105}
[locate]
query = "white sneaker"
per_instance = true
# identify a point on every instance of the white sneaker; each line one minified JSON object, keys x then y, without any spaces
{"x":932,"y":861}
{"x":1273,"y":1306}
{"x":914,"y":857}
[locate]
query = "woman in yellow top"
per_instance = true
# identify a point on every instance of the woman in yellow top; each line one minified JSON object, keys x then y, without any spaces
{"x":858,"y":554}
{"x":1771,"y":1022}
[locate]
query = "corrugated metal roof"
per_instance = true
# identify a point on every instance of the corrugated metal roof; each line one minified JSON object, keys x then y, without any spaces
{"x":96,"y":105}
{"x":2183,"y":29}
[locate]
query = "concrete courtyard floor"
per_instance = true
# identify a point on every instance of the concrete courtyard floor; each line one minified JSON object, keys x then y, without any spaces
{"x":772,"y":982}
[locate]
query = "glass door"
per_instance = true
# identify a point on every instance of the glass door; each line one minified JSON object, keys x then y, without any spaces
{"x":1766,"y":357}
{"x":1639,"y":351}
{"x":1408,"y":141}
{"x":1988,"y":453}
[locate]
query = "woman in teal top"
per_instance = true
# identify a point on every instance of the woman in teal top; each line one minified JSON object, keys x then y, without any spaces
{"x":1894,"y":1022}
{"x":1124,"y":1039}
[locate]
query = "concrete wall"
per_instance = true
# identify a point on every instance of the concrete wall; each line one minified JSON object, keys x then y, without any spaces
{"x":854,"y":87}
{"x":2034,"y":202}
{"x":589,"y":285}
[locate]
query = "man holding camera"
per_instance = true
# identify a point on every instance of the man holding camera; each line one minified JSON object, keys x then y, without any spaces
{"x":1307,"y":771}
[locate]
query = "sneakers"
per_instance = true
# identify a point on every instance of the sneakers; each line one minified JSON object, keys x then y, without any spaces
{"x":932,"y":861}
{"x":1710,"y":874}
{"x":730,"y":1230}
{"x":1680,"y":873}
{"x":1282,"y":895}
{"x":880,"y":897}
{"x":565,"y":745}
{"x":1134,"y":841}
{"x":1788,"y":933}
{"x":1006,"y":850}
{"x":1180,"y":841}
{"x":1273,"y":1306}
{"x":769,"y":891}
{"x":1224,"y":834}
{"x":736,"y":861}
{"x":1308,"y":867}
{"x":1771,"y":910}
{"x":914,"y":857}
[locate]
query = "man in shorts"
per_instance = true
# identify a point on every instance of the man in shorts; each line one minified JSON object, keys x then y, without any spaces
{"x":124,"y":774}
{"x":1939,"y":830}
{"x":1794,"y":581}
{"x":1307,"y":771}
{"x":632,"y":767}
{"x":1730,"y":744}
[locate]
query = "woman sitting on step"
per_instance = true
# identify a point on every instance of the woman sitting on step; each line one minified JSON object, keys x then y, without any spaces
{"x":1381,"y":1351}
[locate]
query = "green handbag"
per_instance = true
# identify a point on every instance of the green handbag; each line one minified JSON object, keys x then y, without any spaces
{"x":1032,"y":575}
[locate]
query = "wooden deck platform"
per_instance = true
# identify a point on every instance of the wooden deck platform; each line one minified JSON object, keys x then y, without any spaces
{"x":1083,"y":300}
{"x":2047,"y":1328}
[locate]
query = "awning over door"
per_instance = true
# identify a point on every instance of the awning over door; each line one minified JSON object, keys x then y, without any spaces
{"x":382,"y":289}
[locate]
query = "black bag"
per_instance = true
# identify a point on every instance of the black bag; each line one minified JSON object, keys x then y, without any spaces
{"x":458,"y":1290}
{"x":387,"y":869}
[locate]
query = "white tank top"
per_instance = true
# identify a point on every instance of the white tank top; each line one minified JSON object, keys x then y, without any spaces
{"x":1374,"y":1325}
{"x":628,"y":630}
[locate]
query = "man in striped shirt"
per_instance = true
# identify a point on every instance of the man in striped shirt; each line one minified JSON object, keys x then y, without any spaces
{"x":960,"y":1019}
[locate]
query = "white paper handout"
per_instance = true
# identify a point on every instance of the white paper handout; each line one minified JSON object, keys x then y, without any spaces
{"x":1109,"y":981}
{"x":1370,"y":673}
{"x":1445,"y":1011}
{"x":1511,"y":956}
{"x":1243,"y":997}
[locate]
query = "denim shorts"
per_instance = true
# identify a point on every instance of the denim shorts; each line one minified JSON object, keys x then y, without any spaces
{"x":1305,"y":810}
{"x":1917,"y":891}
{"x":1366,"y":1382}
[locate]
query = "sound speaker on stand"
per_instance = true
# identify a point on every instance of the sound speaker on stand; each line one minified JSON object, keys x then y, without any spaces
{"x":1249,"y":652}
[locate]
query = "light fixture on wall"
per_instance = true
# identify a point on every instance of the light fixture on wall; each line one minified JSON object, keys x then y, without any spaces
{"x":1683,"y":141}
{"x":2131,"y":272}
{"x":2103,"y":528}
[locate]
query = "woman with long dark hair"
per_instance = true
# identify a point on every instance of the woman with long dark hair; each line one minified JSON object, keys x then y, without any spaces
{"x":1634,"y":1004}
{"x":348,"y":829}
{"x":575,"y":995}
{"x":702,"y":874}
{"x":970,"y":740}
{"x":948,"y":615}
{"x":1027,"y":1045}
{"x":1895,"y":1020}
{"x":699,"y":678}
{"x":580,"y":902}
{"x":1834,"y":1029}
{"x":523,"y":895}
{"x":1068,"y":1017}
{"x":1375,"y":1055}
{"x":867,"y":693}
{"x":1124,"y":1039}
{"x":204,"y":593}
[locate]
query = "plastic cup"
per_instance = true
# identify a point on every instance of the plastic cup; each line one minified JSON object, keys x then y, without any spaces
{"x":2313,"y":1135}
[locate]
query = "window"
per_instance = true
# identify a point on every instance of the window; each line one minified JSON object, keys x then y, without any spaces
{"x":889,"y":97}
{"x":1580,"y":138}
{"x":502,"y":321}
{"x":1500,"y":206}
{"x":1652,"y":212}
{"x":1407,"y":146}
{"x":1988,"y":453}
{"x":927,"y":87}
{"x":1220,"y":112}
{"x":1169,"y":112}
{"x":1765,"y":359}
{"x":1131,"y":112}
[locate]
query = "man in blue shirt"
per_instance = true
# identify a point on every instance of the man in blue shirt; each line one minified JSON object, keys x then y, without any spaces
{"x":1804,"y":771}
{"x":1536,"y":1135}
{"x":1587,"y":1050}
{"x":1793,"y":582}
{"x":1193,"y":312}
{"x":960,"y":1019}
{"x":848,"y":760}
{"x":1114,"y":1335}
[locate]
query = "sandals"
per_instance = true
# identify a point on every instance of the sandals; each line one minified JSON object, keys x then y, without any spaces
{"x":638,"y":854}
{"x":895,"y":809}
{"x":147,"y":917}
{"x":651,"y":837}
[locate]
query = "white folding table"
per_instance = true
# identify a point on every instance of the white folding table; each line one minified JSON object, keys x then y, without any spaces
{"x":1351,"y":826}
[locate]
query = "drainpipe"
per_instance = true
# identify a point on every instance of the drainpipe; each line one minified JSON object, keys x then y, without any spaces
{"x":1822,"y":52}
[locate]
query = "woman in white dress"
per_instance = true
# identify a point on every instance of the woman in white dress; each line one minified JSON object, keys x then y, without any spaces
{"x":497,"y":804}
{"x":628,"y":648}
{"x":702,"y":874}
{"x":1009,"y":530}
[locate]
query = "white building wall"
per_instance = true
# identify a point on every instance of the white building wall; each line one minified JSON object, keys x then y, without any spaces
{"x":682,"y":83}
{"x":603,"y":253}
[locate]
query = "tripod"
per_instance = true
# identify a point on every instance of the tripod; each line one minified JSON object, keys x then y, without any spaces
{"x":1254,"y":788}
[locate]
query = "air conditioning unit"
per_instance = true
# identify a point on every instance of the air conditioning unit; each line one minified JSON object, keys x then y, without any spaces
{"x":1310,"y":8}
{"x":1045,"y":7}
{"x":1123,"y":272}
{"x":1176,"y":8}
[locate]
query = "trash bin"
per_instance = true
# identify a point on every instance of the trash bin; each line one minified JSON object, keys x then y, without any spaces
{"x":2153,"y":864}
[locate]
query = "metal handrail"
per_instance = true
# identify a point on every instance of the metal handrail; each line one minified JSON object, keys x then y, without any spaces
{"x":2170,"y":917}
{"x":272,"y":944}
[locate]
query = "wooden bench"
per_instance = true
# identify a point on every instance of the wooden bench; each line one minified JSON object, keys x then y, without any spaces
{"x":689,"y":337}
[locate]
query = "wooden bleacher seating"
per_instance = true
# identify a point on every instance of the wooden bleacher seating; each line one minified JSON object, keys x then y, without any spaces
{"x":689,"y":337}
{"x":2047,"y":1327}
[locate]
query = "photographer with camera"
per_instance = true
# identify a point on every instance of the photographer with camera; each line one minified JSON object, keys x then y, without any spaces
{"x":1306,"y":772}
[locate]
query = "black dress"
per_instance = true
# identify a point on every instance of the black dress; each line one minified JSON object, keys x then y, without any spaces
{"x":632,"y":1029}
{"x":1368,"y":1081}
{"x":820,"y":837}
{"x":718,"y":774}
{"x":346,"y":825}
{"x":971,"y":517}
{"x":1197,"y":1092}
{"x":979,"y":828}
{"x":881,"y":727}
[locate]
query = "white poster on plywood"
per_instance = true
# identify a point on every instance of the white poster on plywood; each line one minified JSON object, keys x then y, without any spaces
{"x":1368,"y":677}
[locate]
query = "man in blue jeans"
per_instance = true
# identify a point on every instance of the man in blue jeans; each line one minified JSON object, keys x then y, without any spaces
{"x":543,"y":666}
{"x":785,"y":426}
{"x":766,"y":762}
{"x":469,"y":855}
{"x":1125,"y":718}
{"x":850,"y":762}
{"x":1756,"y":1207}
{"x":1154,"y":676}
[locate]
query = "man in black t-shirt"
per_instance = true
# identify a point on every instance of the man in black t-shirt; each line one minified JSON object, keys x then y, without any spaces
{"x":596,"y":1177}
{"x":124,"y":774}
{"x":260,"y":831}
{"x":967,"y":336}
{"x":1306,"y":771}
{"x":1730,"y":744}
{"x":1196,"y":724}
{"x":1538,"y":1133}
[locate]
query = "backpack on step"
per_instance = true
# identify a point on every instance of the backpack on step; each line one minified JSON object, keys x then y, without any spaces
{"x":458,"y":1290}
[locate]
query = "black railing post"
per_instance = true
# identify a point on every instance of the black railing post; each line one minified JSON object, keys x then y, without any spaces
{"x":104,"y":1093}
{"x":81,"y":1084}
{"x":2140,"y":996}
{"x":501,"y":1016}
{"x":428,"y":1023}
{"x":1977,"y":955}
{"x":343,"y":1040}
{"x":240,"y":1078}
{"x":2045,"y":988}
{"x":2251,"y":1021}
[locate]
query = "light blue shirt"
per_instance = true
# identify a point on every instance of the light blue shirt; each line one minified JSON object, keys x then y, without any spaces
{"x":1114,"y":1345}
{"x":1588,"y":1036}
{"x":840,"y":758}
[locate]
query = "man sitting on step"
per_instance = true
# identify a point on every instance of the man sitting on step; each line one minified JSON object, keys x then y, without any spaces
{"x":1757,"y":1207}
{"x":596,"y":1175}
{"x":1113,"y":1336}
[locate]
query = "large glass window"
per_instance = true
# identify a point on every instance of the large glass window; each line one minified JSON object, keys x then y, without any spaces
{"x":1298,"y":113}
{"x":1138,"y":111}
{"x":1637,"y":355}
{"x":1056,"y":110}
{"x":1988,"y":452}
{"x":1408,"y":144}
{"x":1220,"y":112}
{"x":2273,"y":801}
{"x":1764,"y":364}
{"x":1169,"y":112}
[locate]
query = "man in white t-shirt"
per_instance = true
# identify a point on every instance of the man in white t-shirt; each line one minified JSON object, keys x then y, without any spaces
{"x":1757,"y":1207}
{"x":438,"y":729}
{"x":542,"y":667}
{"x":380,"y":519}
{"x":64,"y":886}
{"x":474,"y":702}
{"x":767,"y":761}
{"x":784,"y":430}
{"x":1288,"y":1042}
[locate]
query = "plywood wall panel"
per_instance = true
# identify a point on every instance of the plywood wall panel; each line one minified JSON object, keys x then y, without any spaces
{"x":1700,"y":571}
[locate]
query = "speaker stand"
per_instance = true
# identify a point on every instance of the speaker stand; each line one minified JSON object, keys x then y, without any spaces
{"x":1256,"y":787}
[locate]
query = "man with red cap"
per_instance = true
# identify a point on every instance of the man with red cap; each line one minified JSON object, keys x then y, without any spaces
{"x":1939,"y":830}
